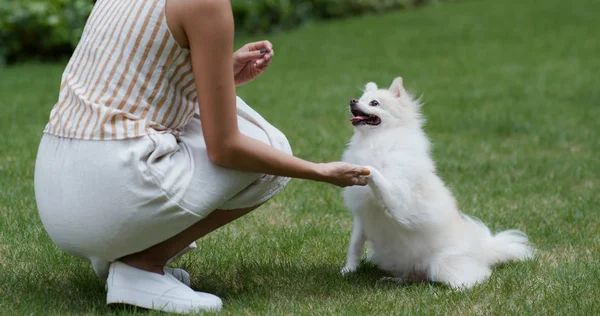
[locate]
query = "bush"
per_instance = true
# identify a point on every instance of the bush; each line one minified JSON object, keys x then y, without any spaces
{"x":40,"y":28}
{"x":49,"y":29}
{"x":262,"y":16}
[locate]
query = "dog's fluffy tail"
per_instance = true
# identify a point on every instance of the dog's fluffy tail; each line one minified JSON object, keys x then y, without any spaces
{"x":508,"y":245}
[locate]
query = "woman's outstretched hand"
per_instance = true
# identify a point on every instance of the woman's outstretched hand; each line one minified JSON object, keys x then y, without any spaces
{"x":251,"y":60}
{"x":344,"y":174}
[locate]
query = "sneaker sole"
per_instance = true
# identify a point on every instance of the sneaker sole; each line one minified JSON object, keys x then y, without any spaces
{"x":172,"y":305}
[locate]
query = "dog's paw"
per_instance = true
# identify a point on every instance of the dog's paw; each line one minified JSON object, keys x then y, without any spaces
{"x":373,"y":173}
{"x":370,"y":255}
{"x":348,"y":269}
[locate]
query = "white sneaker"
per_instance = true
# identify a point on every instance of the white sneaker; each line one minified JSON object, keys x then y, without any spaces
{"x":132,"y":286}
{"x":180,"y":274}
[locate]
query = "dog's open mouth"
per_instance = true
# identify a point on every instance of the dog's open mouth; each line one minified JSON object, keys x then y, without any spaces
{"x":362,"y":118}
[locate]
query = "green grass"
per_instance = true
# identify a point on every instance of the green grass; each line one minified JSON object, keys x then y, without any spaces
{"x":513,"y":106}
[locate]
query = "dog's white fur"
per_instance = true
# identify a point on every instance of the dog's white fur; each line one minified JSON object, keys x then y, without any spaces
{"x":406,"y":213}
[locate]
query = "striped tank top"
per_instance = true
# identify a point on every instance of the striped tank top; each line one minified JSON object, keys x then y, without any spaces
{"x":127,"y":77}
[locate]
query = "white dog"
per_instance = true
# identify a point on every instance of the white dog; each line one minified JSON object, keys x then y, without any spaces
{"x":407,"y":214}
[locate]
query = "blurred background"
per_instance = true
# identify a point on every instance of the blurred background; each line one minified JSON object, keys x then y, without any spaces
{"x":50,"y":29}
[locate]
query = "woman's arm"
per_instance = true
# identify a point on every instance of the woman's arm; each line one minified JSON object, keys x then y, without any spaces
{"x":209,"y":30}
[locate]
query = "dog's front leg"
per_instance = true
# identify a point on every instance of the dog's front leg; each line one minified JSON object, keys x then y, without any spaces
{"x":391,"y":203}
{"x":357,"y":243}
{"x":381,"y":187}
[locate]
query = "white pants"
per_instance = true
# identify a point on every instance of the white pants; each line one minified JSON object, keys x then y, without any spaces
{"x":102,"y":200}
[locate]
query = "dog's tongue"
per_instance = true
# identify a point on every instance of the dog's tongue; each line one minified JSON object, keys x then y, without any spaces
{"x":357,"y":118}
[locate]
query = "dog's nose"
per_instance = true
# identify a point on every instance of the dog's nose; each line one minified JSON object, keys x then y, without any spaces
{"x":353,"y":101}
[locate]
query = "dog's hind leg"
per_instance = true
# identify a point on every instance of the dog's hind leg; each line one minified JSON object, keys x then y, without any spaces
{"x":357,"y":244}
{"x":459,"y":271}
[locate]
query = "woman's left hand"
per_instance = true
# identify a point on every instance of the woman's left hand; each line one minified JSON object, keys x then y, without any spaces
{"x":251,"y":60}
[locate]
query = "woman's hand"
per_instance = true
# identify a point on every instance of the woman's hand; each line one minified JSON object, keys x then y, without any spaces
{"x":343,"y":174}
{"x":251,"y":60}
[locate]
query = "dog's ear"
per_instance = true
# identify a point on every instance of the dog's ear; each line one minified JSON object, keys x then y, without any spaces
{"x":371,"y":86}
{"x":397,"y":88}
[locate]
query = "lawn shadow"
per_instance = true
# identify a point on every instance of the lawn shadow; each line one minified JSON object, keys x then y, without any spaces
{"x":294,"y":281}
{"x":80,"y":292}
{"x":68,"y":291}
{"x":288,"y":281}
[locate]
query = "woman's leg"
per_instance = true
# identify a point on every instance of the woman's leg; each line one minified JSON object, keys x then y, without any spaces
{"x":154,"y":258}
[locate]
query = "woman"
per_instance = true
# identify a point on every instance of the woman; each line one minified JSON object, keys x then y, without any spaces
{"x":148,"y":148}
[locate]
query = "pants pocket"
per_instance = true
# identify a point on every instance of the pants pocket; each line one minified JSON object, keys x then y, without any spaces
{"x":167,"y":164}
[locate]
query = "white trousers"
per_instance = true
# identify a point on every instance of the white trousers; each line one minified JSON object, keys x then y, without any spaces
{"x":102,"y":200}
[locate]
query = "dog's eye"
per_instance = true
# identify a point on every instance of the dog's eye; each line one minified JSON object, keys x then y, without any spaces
{"x":374,"y":103}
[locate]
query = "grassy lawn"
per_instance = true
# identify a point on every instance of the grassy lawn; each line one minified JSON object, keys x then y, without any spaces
{"x":513,"y":106}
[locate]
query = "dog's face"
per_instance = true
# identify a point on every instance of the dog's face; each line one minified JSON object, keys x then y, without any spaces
{"x":380,"y":108}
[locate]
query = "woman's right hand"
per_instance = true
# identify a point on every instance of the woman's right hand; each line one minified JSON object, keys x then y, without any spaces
{"x":343,"y":174}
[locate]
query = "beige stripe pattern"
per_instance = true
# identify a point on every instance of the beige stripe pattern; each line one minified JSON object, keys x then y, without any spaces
{"x":127,"y":78}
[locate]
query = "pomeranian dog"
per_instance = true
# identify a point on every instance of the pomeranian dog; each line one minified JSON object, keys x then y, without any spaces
{"x":406,"y":213}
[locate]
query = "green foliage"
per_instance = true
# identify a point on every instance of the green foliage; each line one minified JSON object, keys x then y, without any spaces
{"x":263,"y":16}
{"x":40,"y":28}
{"x":47,"y":29}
